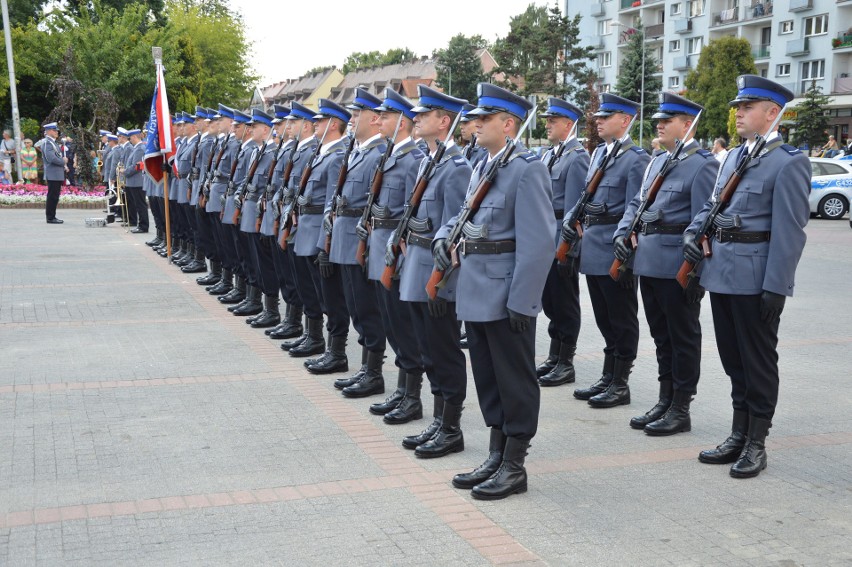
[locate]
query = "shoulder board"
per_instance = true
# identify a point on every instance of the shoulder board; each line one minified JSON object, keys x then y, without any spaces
{"x":637,"y":149}
{"x":459,"y":160}
{"x":705,"y":153}
{"x":601,"y":144}
{"x":580,"y":149}
{"x":792,"y":150}
{"x":527,"y":155}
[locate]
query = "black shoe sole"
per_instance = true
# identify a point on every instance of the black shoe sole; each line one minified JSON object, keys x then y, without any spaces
{"x":517,"y":490}
{"x":655,"y":433}
{"x":364,"y":394}
{"x":407,"y":419}
{"x":323,"y":370}
{"x":549,"y":383}
{"x":457,"y":449}
{"x":735,"y":474}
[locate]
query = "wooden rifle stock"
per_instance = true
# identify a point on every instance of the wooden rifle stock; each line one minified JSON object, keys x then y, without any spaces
{"x":630,"y":239}
{"x":341,"y":181}
{"x":292,"y":218}
{"x":249,"y":178}
{"x":375,"y":189}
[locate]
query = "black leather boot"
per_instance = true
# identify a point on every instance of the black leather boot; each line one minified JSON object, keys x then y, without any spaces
{"x":270,"y":316}
{"x":731,"y":448}
{"x":252,"y":306}
{"x":601,"y":384}
{"x":213,"y":277}
{"x":753,"y":458}
{"x":656,"y":412}
{"x":618,"y":392}
{"x":198,"y":263}
{"x":290,"y":326}
{"x":549,"y":362}
{"x":184,"y":253}
{"x":333,"y":360}
{"x":511,"y":476}
{"x":224,"y":285}
{"x":237,"y":294}
{"x":249,"y":297}
{"x":410,"y":407}
{"x":414,"y":441}
{"x":372,"y":382}
{"x":484,"y":471}
{"x":449,"y":437}
{"x":383,"y":408}
{"x":287,"y":345}
{"x":675,"y":420}
{"x":341,"y":383}
{"x":313,"y":343}
{"x":563,"y":372}
{"x":157,"y":240}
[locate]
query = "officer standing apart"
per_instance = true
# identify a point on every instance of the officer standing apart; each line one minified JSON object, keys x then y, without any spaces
{"x":671,"y":311}
{"x":504,"y":262}
{"x":134,"y":168}
{"x":54,"y":170}
{"x":615,"y":303}
{"x":756,"y":248}
{"x":568,"y":163}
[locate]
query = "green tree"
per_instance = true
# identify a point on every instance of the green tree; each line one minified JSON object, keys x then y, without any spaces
{"x":459,"y":68}
{"x":630,"y":82}
{"x":156,"y":8}
{"x":364,"y":60}
{"x":713,"y":82}
{"x":733,"y":137}
{"x":544,"y":50}
{"x":811,"y":121}
{"x":22,"y":12}
{"x":592,"y":106}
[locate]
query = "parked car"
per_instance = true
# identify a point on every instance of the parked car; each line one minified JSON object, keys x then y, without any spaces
{"x":831,"y":187}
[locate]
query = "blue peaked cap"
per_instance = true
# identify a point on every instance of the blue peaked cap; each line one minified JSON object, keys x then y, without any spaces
{"x":363,"y":100}
{"x":328,"y":108}
{"x":752,"y":87}
{"x":560,"y":107}
{"x":610,"y":104}
{"x":494,"y":99}
{"x":431,"y":99}
{"x":395,"y":102}
{"x":671,"y":105}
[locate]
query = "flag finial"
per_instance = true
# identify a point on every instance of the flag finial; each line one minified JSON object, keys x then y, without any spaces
{"x":157,"y":52}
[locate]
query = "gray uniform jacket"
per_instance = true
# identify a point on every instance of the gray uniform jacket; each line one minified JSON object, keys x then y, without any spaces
{"x":110,"y":161}
{"x":256,"y":187}
{"x":681,"y":196}
{"x":477,"y":154}
{"x":441,"y":201}
{"x":620,"y":183}
{"x":516,"y":208}
{"x":205,"y":147}
{"x":287,"y":191}
{"x":773,"y":197}
{"x":243,"y":160}
{"x":134,"y":175}
{"x":567,"y":181}
{"x":400,"y":173}
{"x":54,"y":164}
{"x":271,"y":195}
{"x":222,"y":174}
{"x":319,"y":190}
{"x":362,"y":165}
{"x":183,"y":161}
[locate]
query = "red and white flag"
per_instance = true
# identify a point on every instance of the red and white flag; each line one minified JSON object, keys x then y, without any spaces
{"x":160,"y":144}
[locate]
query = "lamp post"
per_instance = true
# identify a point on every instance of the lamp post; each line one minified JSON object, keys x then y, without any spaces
{"x":642,"y":86}
{"x":13,"y":90}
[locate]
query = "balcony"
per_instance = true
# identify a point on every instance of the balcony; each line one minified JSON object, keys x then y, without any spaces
{"x":842,"y":42}
{"x":627,"y":4}
{"x":595,"y":41}
{"x":797,"y":47}
{"x":657,"y":30}
{"x":757,"y":11}
{"x":725,"y":17}
{"x":683,"y":25}
{"x":842,"y":85}
{"x":761,"y":52}
{"x":680,"y":63}
{"x":598,"y":9}
{"x":801,"y":5}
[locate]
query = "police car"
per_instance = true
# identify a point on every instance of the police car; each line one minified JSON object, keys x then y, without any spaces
{"x":831,"y":187}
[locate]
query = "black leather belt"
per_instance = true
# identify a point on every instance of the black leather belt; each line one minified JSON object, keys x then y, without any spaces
{"x":592,"y":220}
{"x":723,"y":235}
{"x":663,"y":228}
{"x":350,"y":212}
{"x":311,"y":210}
{"x":385,"y":223}
{"x":421,"y":241}
{"x":559,"y":214}
{"x":487,"y":247}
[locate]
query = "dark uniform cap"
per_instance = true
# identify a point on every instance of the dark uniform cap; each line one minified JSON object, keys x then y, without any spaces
{"x":104,"y":132}
{"x":120,"y":131}
{"x":201,"y":112}
{"x":211,"y":113}
{"x":610,"y":104}
{"x":281,"y":112}
{"x":178,"y":119}
{"x":112,"y":137}
{"x":430,"y":99}
{"x":134,"y":132}
{"x":466,"y":117}
{"x":330,"y":109}
{"x":300,"y":112}
{"x":395,"y":102}
{"x":225,"y":112}
{"x":752,"y":87}
{"x":188,"y":118}
{"x":363,"y":100}
{"x":560,"y":107}
{"x":241,"y":117}
{"x":260,"y":117}
{"x":493,"y":99}
{"x":671,"y":105}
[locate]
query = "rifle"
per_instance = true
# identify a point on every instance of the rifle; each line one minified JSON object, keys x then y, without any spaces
{"x":706,"y":230}
{"x":238,"y":206}
{"x":234,"y":164}
{"x":471,"y":206}
{"x":285,"y":179}
{"x":560,"y":149}
{"x":292,"y":218}
{"x":375,"y":189}
{"x":192,"y":168}
{"x":468,"y":151}
{"x":261,"y":206}
{"x":630,"y":238}
{"x":579,"y":211}
{"x":208,"y":179}
{"x":397,"y":240}
{"x":341,"y":181}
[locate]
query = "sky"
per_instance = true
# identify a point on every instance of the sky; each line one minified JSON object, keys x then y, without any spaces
{"x":336,"y":28}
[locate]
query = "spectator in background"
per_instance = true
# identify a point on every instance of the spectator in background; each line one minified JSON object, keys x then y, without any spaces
{"x":830,"y":149}
{"x":655,"y":147}
{"x":7,"y":151}
{"x":29,"y":162}
{"x":5,"y":178}
{"x":96,"y":165}
{"x":720,"y":149}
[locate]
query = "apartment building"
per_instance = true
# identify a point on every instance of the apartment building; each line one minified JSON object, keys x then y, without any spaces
{"x":794,"y":42}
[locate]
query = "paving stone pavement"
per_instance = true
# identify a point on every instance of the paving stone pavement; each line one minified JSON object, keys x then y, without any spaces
{"x":142,"y":424}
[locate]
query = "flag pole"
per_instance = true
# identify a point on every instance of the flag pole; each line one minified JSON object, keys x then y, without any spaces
{"x":157,"y":52}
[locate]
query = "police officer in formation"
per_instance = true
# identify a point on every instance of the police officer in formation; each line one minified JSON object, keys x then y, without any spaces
{"x":299,"y":201}
{"x":54,"y":170}
{"x":134,"y":176}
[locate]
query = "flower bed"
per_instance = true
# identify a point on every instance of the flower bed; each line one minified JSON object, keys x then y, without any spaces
{"x":29,"y":195}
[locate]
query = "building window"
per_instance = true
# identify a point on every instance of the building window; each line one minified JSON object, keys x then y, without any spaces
{"x":696,"y":8}
{"x":693,"y":45}
{"x":674,"y":45}
{"x":674,"y":83}
{"x":786,"y":27}
{"x":783,"y":70}
{"x":603,"y":88}
{"x":604,"y":27}
{"x":676,"y":9}
{"x":817,"y":25}
{"x":605,"y":59}
{"x":813,"y":69}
